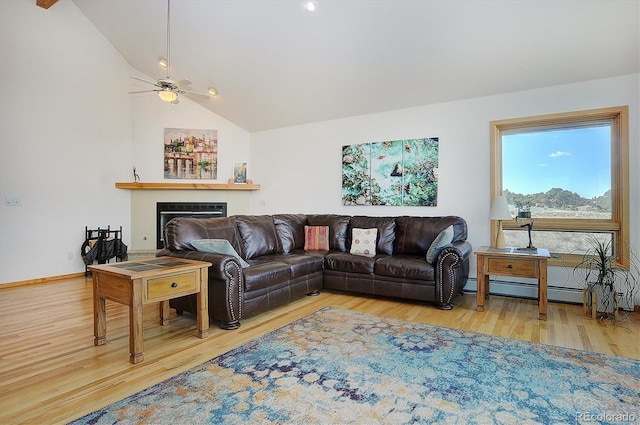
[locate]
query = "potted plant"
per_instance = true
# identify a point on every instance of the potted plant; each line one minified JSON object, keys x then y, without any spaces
{"x":605,"y":279}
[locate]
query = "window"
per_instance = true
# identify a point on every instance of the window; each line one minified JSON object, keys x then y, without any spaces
{"x":572,"y":171}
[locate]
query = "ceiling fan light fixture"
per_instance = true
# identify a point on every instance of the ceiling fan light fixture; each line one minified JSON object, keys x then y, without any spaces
{"x":167,"y":95}
{"x":168,"y":89}
{"x":311,"y":6}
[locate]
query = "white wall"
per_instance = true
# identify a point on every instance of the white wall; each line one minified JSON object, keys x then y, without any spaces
{"x":69,"y":131}
{"x":300,"y":167}
{"x":65,"y":134}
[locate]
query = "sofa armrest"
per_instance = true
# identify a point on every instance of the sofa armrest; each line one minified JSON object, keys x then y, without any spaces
{"x":226,"y":284}
{"x":220,"y":263}
{"x":451,"y":272}
{"x":462,"y":249}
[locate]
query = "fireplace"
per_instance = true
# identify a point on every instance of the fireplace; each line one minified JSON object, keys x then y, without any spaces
{"x":165,"y":211}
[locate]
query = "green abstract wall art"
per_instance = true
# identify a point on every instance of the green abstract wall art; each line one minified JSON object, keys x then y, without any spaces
{"x":398,"y":172}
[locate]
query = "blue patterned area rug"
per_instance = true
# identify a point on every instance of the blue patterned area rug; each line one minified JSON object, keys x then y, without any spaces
{"x":338,"y":367}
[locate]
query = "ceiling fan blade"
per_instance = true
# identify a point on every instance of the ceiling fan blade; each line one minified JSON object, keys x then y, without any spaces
{"x":145,"y":81}
{"x":183,"y":83}
{"x":142,"y":91}
{"x":197,"y":95}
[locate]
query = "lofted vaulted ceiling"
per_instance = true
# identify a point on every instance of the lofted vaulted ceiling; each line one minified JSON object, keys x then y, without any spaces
{"x":275,"y":64}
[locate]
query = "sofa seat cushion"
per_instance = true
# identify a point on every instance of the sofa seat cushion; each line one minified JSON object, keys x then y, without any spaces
{"x":406,"y":266}
{"x":301,"y":263}
{"x":262,"y":275}
{"x":345,"y":262}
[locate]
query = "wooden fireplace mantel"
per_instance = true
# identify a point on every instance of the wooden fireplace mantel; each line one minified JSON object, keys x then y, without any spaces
{"x":187,"y":186}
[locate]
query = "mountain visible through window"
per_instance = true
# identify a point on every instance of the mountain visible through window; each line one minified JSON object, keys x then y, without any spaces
{"x":559,"y":173}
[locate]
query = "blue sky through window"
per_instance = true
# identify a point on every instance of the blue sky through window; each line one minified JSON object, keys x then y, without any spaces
{"x":575,"y":159}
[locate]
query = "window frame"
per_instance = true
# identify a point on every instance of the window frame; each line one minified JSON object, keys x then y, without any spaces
{"x":618,"y":118}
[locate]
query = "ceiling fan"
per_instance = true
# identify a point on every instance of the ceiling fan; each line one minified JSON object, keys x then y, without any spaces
{"x":168,"y":89}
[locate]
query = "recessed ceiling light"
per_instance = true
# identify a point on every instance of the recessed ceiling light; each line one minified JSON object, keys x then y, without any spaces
{"x":163,"y":62}
{"x":213,"y":92}
{"x":311,"y":6}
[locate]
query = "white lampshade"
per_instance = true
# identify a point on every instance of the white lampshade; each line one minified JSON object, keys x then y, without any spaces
{"x":167,"y":95}
{"x":500,"y":209}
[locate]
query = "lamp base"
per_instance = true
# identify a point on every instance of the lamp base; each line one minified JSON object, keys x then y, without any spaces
{"x":527,"y":249}
{"x":499,"y":243}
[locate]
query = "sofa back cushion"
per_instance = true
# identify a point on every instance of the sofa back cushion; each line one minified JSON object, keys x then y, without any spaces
{"x":338,"y":225}
{"x":414,"y":235}
{"x":290,"y":231}
{"x":180,"y":231}
{"x":386,"y":231}
{"x":257,"y":235}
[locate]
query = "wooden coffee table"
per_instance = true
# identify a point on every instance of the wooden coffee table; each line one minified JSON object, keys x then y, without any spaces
{"x":137,"y":283}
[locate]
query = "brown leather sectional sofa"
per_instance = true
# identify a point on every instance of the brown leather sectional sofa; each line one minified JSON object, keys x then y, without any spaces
{"x":281,"y":270}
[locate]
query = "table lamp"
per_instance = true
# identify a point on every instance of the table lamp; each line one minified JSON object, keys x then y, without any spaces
{"x":524,"y":216}
{"x":499,"y":211}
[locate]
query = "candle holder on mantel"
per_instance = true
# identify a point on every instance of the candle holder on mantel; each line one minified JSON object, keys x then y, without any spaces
{"x":524,"y":217}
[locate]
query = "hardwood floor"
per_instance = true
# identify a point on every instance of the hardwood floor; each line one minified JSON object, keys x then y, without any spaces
{"x":50,"y":371}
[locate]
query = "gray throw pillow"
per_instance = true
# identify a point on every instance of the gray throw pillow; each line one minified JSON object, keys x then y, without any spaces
{"x":218,"y":246}
{"x":444,"y":238}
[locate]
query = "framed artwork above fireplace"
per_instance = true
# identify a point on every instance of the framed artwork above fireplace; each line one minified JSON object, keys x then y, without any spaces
{"x":190,"y":153}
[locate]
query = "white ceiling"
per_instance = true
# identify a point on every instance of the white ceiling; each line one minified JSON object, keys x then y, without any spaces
{"x":276,"y":64}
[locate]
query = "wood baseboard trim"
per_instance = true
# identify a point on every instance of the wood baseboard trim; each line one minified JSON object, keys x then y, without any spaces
{"x":40,"y":280}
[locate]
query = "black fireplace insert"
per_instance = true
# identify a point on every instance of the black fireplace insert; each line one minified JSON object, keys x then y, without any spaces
{"x":168,"y":210}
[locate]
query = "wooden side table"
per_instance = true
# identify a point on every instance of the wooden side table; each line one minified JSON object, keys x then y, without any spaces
{"x":515,"y":263}
{"x":137,"y":283}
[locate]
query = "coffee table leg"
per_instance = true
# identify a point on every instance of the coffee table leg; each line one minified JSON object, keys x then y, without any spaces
{"x":164,"y":313}
{"x":100,"y":322}
{"x":203,"y":304}
{"x":99,"y":315}
{"x":136,"y":342}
